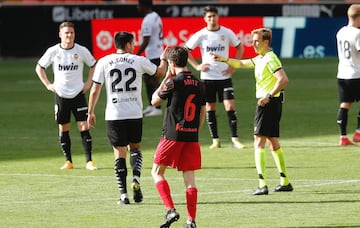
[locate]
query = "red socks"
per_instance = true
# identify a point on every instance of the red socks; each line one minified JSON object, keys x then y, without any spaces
{"x":191,"y":198}
{"x":191,"y":202}
{"x":164,"y":192}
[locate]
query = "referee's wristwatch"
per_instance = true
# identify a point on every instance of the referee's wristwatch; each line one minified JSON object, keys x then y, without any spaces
{"x":268,"y":96}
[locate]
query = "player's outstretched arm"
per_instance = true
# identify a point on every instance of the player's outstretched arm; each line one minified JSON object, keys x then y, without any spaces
{"x":156,"y":100}
{"x":235,"y":63}
{"x":161,"y":70}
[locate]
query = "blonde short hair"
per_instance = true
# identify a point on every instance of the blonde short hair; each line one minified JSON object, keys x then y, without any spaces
{"x":66,"y":24}
{"x":265,"y":33}
{"x":354,"y":11}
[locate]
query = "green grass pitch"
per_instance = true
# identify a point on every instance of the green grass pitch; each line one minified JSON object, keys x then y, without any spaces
{"x":34,"y":193}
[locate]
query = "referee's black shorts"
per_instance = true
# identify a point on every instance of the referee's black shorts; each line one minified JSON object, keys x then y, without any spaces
{"x":267,"y":118}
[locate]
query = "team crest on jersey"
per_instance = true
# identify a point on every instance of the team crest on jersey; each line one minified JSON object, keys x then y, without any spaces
{"x":222,"y":38}
{"x":76,"y":56}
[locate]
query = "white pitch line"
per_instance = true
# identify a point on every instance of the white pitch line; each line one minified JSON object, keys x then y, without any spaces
{"x":331,"y":183}
{"x":306,"y":183}
{"x":209,"y":179}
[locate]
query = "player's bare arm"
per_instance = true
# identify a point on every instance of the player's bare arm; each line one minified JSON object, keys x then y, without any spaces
{"x":235,"y":63}
{"x":282,"y":81}
{"x":239,"y":53}
{"x":143,"y":45}
{"x":88,"y":82}
{"x":40,"y":71}
{"x":161,"y":70}
{"x":156,"y":100}
{"x":93,"y":99}
{"x":199,"y":67}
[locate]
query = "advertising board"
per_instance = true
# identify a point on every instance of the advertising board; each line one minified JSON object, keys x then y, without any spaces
{"x":29,"y":34}
{"x":292,"y":36}
{"x":176,"y":32}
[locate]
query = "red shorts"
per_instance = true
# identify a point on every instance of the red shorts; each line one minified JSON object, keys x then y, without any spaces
{"x":185,"y":156}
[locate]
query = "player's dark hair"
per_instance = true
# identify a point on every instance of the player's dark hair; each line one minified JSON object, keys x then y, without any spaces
{"x":179,"y":55}
{"x":148,"y":3}
{"x":211,"y":9}
{"x":122,"y":38}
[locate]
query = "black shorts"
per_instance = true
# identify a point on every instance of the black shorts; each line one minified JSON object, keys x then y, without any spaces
{"x":267,"y":119}
{"x":222,"y":88}
{"x":349,"y":90}
{"x":123,"y":132}
{"x":65,"y":106}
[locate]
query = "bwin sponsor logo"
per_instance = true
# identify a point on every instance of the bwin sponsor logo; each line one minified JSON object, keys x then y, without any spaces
{"x":214,"y":49}
{"x":71,"y":67}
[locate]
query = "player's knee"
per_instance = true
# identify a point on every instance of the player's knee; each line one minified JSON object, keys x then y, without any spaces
{"x":155,"y":174}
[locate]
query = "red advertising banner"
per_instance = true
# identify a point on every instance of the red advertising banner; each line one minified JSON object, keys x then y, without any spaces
{"x":176,"y":32}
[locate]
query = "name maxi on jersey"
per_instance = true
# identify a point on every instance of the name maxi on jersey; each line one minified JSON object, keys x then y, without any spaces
{"x":121,"y":60}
